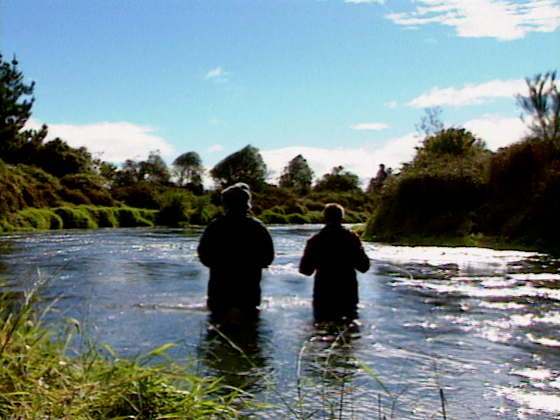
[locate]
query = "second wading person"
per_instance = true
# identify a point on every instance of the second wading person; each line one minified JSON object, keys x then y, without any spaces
{"x":334,"y":255}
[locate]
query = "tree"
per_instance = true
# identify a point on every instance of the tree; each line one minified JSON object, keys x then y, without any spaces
{"x":58,"y":158}
{"x":297,"y":175}
{"x":245,"y":165}
{"x":543,"y":106}
{"x":15,"y":107}
{"x":132,"y":172}
{"x":155,"y":169}
{"x":189,"y":168}
{"x":338,"y":180}
{"x":451,"y":141}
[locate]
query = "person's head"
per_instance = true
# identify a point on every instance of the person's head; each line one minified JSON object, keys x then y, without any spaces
{"x":333,"y":214}
{"x":237,"y":197}
{"x":382,"y":166}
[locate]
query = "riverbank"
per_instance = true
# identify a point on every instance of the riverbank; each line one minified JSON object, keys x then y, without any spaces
{"x":77,"y":217}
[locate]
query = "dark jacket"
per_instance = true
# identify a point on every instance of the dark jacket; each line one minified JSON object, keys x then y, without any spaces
{"x":334,"y":254}
{"x":236,"y":248}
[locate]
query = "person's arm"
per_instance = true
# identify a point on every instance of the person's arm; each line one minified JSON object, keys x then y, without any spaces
{"x":307,"y":264}
{"x":362,"y":263}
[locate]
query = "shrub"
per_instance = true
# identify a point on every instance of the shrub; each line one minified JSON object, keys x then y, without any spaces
{"x":296,"y":219}
{"x":42,"y":219}
{"x":105,"y":217}
{"x":131,"y":217}
{"x":76,"y":218}
{"x":174,"y":210}
{"x":205,"y":211}
{"x":270,"y":217}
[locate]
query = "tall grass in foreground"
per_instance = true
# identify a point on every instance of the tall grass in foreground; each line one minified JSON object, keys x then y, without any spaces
{"x":42,"y":378}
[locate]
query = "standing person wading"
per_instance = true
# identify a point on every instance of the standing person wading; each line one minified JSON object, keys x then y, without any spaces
{"x":334,"y":255}
{"x":236,"y":247}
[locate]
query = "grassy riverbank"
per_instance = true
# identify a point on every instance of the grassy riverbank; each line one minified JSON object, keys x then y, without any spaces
{"x":77,"y":217}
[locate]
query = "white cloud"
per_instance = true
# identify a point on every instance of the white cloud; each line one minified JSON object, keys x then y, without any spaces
{"x":218,"y":75}
{"x":370,"y":126}
{"x":215,"y":148}
{"x":501,"y":19}
{"x":497,"y":131}
{"x":111,"y":142}
{"x":362,"y":161}
{"x":470,"y":94}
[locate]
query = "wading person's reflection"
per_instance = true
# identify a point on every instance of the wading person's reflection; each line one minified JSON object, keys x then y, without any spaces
{"x":334,"y":255}
{"x":236,"y":355}
{"x":236,"y":247}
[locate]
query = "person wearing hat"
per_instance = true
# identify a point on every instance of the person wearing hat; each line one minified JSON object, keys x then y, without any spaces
{"x":334,"y":255}
{"x":236,"y":247}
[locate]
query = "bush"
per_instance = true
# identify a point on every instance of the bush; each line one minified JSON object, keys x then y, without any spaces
{"x":174,"y":210}
{"x":131,"y":217}
{"x":272,"y":218}
{"x":42,"y":219}
{"x":296,"y":219}
{"x":105,"y":217}
{"x":204,"y":212}
{"x":76,"y":218}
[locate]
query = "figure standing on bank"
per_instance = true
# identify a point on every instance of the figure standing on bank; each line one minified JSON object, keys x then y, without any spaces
{"x":334,"y":255}
{"x":236,"y":247}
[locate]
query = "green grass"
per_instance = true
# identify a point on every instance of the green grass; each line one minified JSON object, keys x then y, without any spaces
{"x":42,"y":377}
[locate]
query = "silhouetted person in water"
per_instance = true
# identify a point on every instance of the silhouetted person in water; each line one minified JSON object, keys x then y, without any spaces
{"x":236,"y":247}
{"x":334,"y":254}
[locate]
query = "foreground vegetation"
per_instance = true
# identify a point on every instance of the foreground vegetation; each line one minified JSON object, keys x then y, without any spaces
{"x":42,"y":376}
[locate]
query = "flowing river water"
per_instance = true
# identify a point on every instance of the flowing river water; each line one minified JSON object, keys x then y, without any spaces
{"x":471,"y":332}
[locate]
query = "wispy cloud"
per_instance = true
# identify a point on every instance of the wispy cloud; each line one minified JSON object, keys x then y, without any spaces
{"x":111,"y":142}
{"x":218,"y":75}
{"x":470,"y":94}
{"x":370,"y":126}
{"x":501,"y":19}
{"x":215,"y":148}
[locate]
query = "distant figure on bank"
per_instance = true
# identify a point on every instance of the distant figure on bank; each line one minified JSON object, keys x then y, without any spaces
{"x":236,"y":247}
{"x":334,"y":254}
{"x":381,"y":175}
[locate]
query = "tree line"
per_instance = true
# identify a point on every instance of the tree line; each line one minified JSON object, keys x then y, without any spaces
{"x":453,"y":187}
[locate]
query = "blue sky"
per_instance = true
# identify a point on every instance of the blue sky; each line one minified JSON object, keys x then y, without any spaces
{"x":341,"y":82}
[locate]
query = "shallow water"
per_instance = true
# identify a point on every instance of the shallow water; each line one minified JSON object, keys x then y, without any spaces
{"x":479,"y":327}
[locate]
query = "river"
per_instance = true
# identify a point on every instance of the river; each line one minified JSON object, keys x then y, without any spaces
{"x":475,"y":328}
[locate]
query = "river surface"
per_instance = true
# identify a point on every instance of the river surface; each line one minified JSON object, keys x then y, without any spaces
{"x":471,"y":331}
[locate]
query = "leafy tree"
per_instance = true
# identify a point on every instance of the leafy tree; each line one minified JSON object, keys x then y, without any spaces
{"x":189,"y":168}
{"x":152,"y":170}
{"x":543,"y":105}
{"x":58,"y":158}
{"x":15,"y":107}
{"x":451,"y":141}
{"x":338,"y":180}
{"x":245,"y":165}
{"x":297,"y":175}
{"x":155,"y":169}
